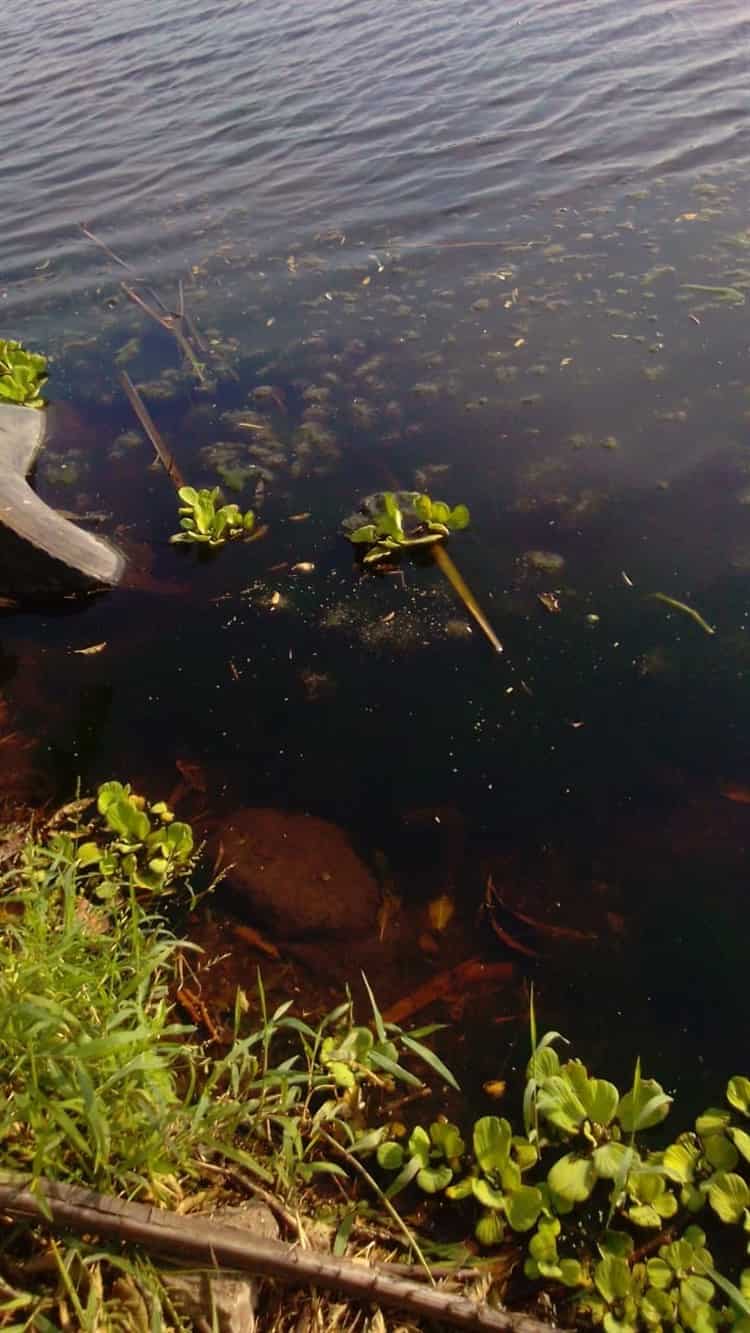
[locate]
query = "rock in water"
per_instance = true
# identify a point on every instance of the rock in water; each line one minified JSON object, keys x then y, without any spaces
{"x":42,"y":554}
{"x":298,"y":875}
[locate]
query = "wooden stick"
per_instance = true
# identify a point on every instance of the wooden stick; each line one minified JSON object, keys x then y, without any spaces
{"x":218,"y":1246}
{"x":166,"y":458}
{"x":441,"y":558}
{"x":173,"y":323}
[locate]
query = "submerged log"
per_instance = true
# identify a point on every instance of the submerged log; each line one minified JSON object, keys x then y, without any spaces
{"x":42,"y":554}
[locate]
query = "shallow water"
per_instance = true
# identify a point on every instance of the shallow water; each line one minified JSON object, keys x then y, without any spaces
{"x":471,"y":252}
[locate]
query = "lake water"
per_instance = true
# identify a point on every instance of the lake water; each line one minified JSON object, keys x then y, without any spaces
{"x":500,"y":252}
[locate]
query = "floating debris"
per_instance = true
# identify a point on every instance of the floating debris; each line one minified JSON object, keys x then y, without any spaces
{"x":546,"y":562}
{"x":684,"y":608}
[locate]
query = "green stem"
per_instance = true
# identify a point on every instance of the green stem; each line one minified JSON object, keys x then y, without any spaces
{"x":444,"y":561}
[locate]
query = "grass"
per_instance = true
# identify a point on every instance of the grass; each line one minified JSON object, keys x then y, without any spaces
{"x":105,"y":1087}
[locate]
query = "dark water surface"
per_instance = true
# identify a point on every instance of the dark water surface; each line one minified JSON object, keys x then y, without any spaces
{"x":501,"y":252}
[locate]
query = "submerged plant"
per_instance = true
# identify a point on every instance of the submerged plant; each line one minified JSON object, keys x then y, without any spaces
{"x":22,"y":374}
{"x":205,"y":520}
{"x":397,"y":521}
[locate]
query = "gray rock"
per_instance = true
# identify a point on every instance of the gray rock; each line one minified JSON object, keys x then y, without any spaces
{"x":42,"y":554}
{"x":233,"y":1300}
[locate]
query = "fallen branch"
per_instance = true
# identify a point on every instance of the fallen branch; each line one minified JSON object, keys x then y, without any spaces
{"x":170,"y":320}
{"x":166,"y":458}
{"x":215,"y":1245}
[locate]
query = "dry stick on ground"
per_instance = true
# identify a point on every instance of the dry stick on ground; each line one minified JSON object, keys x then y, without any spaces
{"x":144,"y":416}
{"x":217,"y":1246}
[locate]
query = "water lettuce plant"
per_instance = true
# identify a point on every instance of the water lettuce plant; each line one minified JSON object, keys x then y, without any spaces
{"x":206,"y":521}
{"x":22,"y":374}
{"x":582,"y":1186}
{"x":397,"y":521}
{"x":390,"y":523}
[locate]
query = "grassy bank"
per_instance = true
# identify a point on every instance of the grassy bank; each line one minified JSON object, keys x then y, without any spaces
{"x":124,"y":1139}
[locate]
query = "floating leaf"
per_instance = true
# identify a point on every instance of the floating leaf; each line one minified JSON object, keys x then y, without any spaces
{"x":613,"y":1160}
{"x":644,"y":1106}
{"x":729,"y":1195}
{"x":490,"y":1229}
{"x":617,"y":1243}
{"x":572,"y":1178}
{"x":523,"y":1206}
{"x":738,"y":1094}
{"x":720,"y":1152}
{"x":433,"y":1179}
{"x":459,"y":518}
{"x":492,"y":1138}
{"x":390,"y":1156}
{"x":440,"y":911}
{"x":680,"y":1160}
{"x":571,"y":1273}
{"x":486,"y":1193}
{"x":741,"y":1141}
{"x":462,"y":1188}
{"x":659,"y":1274}
{"x":712,"y":1121}
{"x":447,"y":1139}
{"x":644,"y":1215}
{"x":613,"y":1278}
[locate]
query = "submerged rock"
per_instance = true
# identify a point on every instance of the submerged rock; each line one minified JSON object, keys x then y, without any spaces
{"x":297,"y":874}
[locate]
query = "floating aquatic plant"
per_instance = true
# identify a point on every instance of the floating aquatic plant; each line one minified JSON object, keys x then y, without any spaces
{"x":22,"y":374}
{"x":400,"y":521}
{"x":205,"y":520}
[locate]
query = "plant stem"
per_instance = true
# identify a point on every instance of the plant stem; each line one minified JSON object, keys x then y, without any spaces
{"x":446,"y":564}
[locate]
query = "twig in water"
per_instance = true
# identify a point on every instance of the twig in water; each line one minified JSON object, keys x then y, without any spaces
{"x":165,"y":457}
{"x":686,"y":610}
{"x":172,"y":322}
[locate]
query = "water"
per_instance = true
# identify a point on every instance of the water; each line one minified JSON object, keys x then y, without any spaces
{"x":468,"y":248}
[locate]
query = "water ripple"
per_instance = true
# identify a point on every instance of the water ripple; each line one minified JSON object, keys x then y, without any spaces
{"x":348,"y":115}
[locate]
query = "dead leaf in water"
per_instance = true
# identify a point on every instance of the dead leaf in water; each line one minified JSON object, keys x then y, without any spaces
{"x":452,"y":985}
{"x":91,"y":651}
{"x":192,"y":773}
{"x":734,"y":791}
{"x":387,"y":912}
{"x":256,"y":941}
{"x":440,"y":911}
{"x":495,"y":1087}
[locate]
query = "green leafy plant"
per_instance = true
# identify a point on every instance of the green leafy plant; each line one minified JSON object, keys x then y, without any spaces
{"x":22,"y":374}
{"x":133,"y":843}
{"x":104,"y":1086}
{"x":208,"y":522}
{"x":398,"y":521}
{"x":580,"y":1163}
